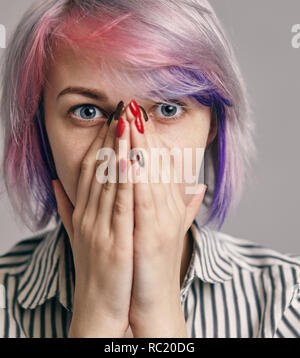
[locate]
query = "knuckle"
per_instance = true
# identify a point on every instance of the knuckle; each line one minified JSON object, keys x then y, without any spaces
{"x":98,"y":239}
{"x":123,"y":187}
{"x":145,"y":205}
{"x":94,"y":239}
{"x":86,"y":226}
{"x":75,"y":218}
{"x":107,"y":185}
{"x":121,"y":207}
{"x":120,"y":254}
{"x":85,"y":164}
{"x":95,"y":242}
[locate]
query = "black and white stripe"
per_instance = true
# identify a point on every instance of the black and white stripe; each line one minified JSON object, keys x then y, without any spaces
{"x":233,"y":288}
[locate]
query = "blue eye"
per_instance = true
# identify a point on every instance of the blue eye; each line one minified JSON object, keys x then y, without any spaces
{"x":170,"y":111}
{"x":86,"y":112}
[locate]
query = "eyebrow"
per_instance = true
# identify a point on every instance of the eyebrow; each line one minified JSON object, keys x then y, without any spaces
{"x":87,"y":92}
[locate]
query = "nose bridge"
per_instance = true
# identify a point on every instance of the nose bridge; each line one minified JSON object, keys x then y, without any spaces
{"x":125,"y":95}
{"x":126,"y":100}
{"x":118,"y":89}
{"x":116,"y":96}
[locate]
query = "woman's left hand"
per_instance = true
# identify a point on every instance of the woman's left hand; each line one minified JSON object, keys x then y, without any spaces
{"x":161,"y":222}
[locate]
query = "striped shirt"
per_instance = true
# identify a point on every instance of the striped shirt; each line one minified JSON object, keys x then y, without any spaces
{"x":233,"y":288}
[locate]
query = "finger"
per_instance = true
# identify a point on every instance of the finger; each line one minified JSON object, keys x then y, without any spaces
{"x":143,"y":198}
{"x":87,"y":171}
{"x":155,"y":150}
{"x":95,"y":176}
{"x":64,"y":206}
{"x":108,"y":193}
{"x":102,"y":178}
{"x":123,"y":212}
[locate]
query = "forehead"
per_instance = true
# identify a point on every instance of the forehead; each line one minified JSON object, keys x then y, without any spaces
{"x":70,"y":69}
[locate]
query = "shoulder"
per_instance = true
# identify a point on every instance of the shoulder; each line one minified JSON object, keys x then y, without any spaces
{"x":249,"y":254}
{"x":272,"y":277}
{"x":16,"y":258}
{"x":13,"y":264}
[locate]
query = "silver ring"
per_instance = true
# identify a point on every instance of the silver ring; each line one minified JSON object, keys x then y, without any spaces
{"x":140,"y":157}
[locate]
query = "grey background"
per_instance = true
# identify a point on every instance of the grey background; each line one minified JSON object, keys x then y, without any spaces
{"x":261,"y":35}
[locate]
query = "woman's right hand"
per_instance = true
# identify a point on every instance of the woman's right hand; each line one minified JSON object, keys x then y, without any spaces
{"x":100,"y":229}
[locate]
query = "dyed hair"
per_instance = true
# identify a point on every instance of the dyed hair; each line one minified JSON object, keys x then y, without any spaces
{"x":163,"y":49}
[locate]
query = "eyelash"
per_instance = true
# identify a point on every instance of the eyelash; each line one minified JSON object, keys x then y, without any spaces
{"x":173,"y":103}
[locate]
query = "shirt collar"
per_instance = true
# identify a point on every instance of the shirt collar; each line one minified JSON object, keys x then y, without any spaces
{"x":210,"y":261}
{"x":50,"y":270}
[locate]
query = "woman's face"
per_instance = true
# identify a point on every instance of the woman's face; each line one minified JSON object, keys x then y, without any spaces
{"x":70,"y":135}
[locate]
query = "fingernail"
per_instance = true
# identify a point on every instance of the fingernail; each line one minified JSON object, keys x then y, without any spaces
{"x":110,"y":118}
{"x":119,"y":110}
{"x":135,"y":110}
{"x":121,"y":126}
{"x":139,"y":125}
{"x":144,"y":113}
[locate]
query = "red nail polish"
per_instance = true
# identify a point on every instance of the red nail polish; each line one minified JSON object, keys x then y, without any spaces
{"x":121,"y":126}
{"x":135,"y":109}
{"x":139,"y":125}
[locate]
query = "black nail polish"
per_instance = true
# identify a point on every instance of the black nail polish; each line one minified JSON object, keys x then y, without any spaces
{"x":110,"y":118}
{"x":145,"y":113}
{"x":119,"y":110}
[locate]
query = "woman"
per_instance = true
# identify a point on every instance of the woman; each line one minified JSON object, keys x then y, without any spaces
{"x":127,"y":258}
